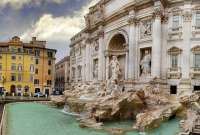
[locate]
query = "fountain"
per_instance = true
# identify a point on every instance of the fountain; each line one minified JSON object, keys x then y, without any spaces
{"x":66,"y":110}
{"x":147,"y":107}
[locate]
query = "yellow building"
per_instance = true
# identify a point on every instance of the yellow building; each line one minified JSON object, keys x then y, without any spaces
{"x":26,"y":67}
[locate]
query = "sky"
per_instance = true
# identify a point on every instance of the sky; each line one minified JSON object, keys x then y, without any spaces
{"x":54,"y":21}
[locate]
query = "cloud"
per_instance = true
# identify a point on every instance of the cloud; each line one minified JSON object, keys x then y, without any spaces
{"x":18,"y":4}
{"x":52,"y":28}
{"x":57,"y":31}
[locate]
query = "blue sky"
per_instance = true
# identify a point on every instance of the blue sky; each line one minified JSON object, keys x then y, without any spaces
{"x":55,"y":21}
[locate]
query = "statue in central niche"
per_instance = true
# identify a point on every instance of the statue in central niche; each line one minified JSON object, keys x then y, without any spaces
{"x":145,"y":63}
{"x":115,"y":68}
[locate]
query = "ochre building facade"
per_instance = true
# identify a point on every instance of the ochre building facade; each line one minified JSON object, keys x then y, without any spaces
{"x":26,"y":67}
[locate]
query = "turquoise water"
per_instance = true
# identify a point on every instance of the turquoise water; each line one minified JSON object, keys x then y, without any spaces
{"x":38,"y":119}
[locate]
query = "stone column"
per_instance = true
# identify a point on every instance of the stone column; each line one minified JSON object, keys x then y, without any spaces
{"x":126,"y":65}
{"x":107,"y":67}
{"x":100,"y":56}
{"x":132,"y":47}
{"x":187,"y":17}
{"x":87,"y":61}
{"x":164,"y":52}
{"x":90,"y":63}
{"x":156,"y":47}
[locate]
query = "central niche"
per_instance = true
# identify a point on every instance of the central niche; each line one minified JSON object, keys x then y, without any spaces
{"x":117,"y":47}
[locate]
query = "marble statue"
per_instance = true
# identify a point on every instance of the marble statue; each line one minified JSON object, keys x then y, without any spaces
{"x":145,"y":63}
{"x":115,"y":68}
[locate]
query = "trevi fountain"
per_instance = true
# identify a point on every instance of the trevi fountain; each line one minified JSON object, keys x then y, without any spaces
{"x":96,"y":104}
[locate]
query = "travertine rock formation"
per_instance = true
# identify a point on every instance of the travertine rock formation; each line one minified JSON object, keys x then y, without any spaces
{"x":149,"y":106}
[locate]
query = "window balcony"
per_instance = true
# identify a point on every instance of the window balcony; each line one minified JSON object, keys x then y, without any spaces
{"x":195,"y":31}
{"x":174,"y":73}
{"x":175,"y":33}
{"x":195,"y":73}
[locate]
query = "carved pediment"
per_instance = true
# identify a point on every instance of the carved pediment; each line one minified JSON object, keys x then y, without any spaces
{"x":174,"y":50}
{"x":196,"y":49}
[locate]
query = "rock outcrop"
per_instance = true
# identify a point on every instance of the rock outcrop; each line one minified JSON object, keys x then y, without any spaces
{"x":148,"y":107}
{"x":58,"y":100}
{"x":153,"y":119}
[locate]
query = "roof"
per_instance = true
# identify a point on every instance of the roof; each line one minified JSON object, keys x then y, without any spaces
{"x":67,"y":58}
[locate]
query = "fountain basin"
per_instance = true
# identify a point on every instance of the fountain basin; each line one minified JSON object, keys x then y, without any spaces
{"x":38,"y":119}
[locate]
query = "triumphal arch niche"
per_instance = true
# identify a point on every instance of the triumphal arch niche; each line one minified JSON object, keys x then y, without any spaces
{"x":117,"y":50}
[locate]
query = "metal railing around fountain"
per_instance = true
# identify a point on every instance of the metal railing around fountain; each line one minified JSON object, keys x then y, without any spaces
{"x":22,"y":99}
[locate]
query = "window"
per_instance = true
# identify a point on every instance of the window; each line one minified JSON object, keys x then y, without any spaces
{"x":1,"y":56}
{"x":20,"y":50}
{"x":36,"y":71}
{"x":174,"y":61}
{"x":19,"y":77}
{"x":49,"y":62}
{"x":79,"y":71}
{"x":49,"y":72}
{"x":50,"y":54}
{"x":36,"y":81}
{"x":32,"y":68}
{"x":49,"y":82}
{"x":13,"y":57}
{"x":73,"y":72}
{"x":175,"y":21}
{"x":31,"y":78}
{"x":197,"y":88}
{"x":20,"y":67}
{"x":36,"y":61}
{"x":173,"y":89}
{"x":198,"y":20}
{"x":37,"y":52}
{"x":0,"y":66}
{"x":197,"y":60}
{"x":1,"y":77}
{"x":13,"y":67}
{"x":13,"y":77}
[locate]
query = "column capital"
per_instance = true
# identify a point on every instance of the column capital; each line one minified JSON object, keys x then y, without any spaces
{"x":100,"y":33}
{"x":133,"y":20}
{"x":187,"y":16}
{"x":165,"y":19}
{"x":88,"y":40}
{"x":158,"y":13}
{"x":158,"y":9}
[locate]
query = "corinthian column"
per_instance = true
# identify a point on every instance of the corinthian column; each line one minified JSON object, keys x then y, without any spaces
{"x":156,"y":47}
{"x":101,"y":55}
{"x":87,"y":60}
{"x":132,"y":47}
{"x":187,"y":20}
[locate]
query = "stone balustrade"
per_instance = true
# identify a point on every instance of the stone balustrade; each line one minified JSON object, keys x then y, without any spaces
{"x":174,"y":73}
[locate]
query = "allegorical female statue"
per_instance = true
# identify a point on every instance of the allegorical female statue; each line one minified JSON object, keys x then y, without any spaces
{"x":145,"y":63}
{"x":115,"y":68}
